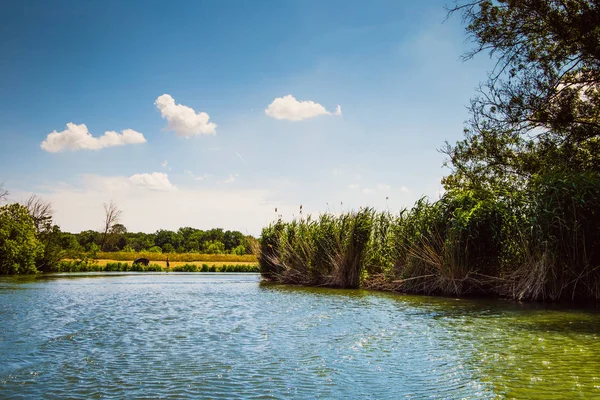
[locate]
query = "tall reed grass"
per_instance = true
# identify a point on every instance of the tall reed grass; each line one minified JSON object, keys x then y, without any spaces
{"x":540,"y":244}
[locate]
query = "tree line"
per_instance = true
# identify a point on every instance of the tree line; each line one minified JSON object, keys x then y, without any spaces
{"x":30,"y":241}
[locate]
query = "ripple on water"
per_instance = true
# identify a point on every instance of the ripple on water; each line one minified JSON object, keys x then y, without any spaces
{"x":224,"y":336}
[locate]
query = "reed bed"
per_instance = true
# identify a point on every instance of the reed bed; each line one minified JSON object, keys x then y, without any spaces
{"x":542,"y":244}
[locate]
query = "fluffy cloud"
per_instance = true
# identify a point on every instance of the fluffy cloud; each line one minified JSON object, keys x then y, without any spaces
{"x":353,"y":186}
{"x":183,"y":120}
{"x":154,"y":181}
{"x":77,"y":137}
{"x":142,"y":183}
{"x":383,"y":187}
{"x":287,"y":107}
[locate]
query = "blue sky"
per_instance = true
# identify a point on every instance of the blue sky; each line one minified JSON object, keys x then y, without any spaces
{"x":269,"y":74}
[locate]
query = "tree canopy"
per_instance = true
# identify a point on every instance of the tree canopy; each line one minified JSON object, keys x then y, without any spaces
{"x":539,"y":110}
{"x":19,"y":246}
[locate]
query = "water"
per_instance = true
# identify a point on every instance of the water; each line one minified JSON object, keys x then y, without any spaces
{"x":229,"y":336}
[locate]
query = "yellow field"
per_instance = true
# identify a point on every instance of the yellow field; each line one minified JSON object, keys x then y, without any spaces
{"x":179,"y":257}
{"x":172,"y":264}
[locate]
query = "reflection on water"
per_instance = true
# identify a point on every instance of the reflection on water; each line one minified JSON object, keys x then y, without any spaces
{"x":229,"y":336}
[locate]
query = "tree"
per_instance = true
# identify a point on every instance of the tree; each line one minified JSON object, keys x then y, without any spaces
{"x":19,"y":246}
{"x":540,"y":107}
{"x":213,"y":247}
{"x":112,"y":216}
{"x":168,"y":248}
{"x":41,"y":211}
{"x":164,"y":237}
{"x":88,"y":238}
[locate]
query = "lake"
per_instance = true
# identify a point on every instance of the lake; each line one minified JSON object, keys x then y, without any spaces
{"x":157,"y":335}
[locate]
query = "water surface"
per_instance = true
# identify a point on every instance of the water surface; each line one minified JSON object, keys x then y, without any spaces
{"x":229,"y":336}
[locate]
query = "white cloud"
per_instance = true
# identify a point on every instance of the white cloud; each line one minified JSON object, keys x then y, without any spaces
{"x":183,"y":120}
{"x":198,"y":178}
{"x":287,"y":107}
{"x":383,"y":187}
{"x":353,"y":186}
{"x":336,"y":171}
{"x":164,"y":164}
{"x":231,"y":178}
{"x":404,"y":189}
{"x":77,"y":137}
{"x":367,"y":191}
{"x":154,"y":181}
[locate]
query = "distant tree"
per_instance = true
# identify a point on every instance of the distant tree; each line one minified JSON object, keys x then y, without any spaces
{"x":216,"y":234}
{"x":194,"y":241}
{"x":213,"y":247}
{"x":48,"y":234}
{"x":51,"y":238}
{"x":116,"y":240}
{"x":118,"y":229}
{"x":232,"y":239}
{"x":239,"y":250}
{"x":87,"y":238}
{"x":93,"y":248}
{"x":140,"y":241}
{"x":164,"y":236}
{"x":19,"y":246}
{"x":68,"y":241}
{"x":112,"y":216}
{"x":168,"y":248}
{"x":155,"y":249}
{"x":41,"y":211}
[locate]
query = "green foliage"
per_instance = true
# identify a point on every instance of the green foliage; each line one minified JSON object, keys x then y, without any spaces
{"x":155,"y":249}
{"x":239,"y":250}
{"x":214,"y":268}
{"x":539,"y":111}
{"x":52,"y":239}
{"x":92,"y":266}
{"x":185,"y":240}
{"x":213,"y":247}
{"x":168,"y":248}
{"x":19,"y":246}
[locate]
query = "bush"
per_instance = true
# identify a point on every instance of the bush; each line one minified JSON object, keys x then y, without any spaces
{"x":19,"y":245}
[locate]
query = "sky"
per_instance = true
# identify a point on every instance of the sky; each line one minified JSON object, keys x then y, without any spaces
{"x":215,"y":113}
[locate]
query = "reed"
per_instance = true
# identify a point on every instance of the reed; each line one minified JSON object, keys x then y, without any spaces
{"x":540,"y":244}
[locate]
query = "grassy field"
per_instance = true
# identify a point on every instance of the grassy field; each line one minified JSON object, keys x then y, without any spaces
{"x":178,"y":257}
{"x":173,"y":264}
